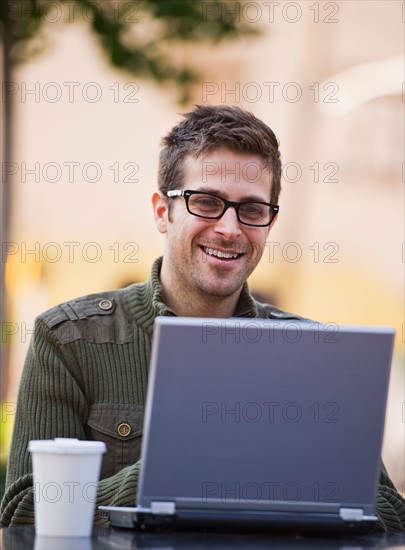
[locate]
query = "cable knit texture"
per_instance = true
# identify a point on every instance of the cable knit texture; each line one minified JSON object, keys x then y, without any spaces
{"x":86,"y":371}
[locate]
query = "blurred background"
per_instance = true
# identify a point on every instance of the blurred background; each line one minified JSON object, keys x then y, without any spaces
{"x":90,"y":87}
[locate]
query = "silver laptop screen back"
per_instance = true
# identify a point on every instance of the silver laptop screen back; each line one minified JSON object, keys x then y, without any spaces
{"x":244,"y":411}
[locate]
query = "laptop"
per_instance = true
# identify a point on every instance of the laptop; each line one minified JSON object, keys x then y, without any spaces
{"x":262,"y":424}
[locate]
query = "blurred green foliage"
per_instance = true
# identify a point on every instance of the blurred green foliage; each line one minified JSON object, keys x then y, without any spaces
{"x":7,"y":413}
{"x":140,"y":36}
{"x":2,"y":479}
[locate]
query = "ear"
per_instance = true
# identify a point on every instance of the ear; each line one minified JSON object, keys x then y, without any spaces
{"x":273,"y":221}
{"x":160,"y":212}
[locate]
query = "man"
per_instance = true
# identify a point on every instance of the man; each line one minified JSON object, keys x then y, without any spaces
{"x":86,"y":370}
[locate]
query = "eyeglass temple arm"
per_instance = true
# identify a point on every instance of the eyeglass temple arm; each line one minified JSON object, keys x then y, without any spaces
{"x":177,"y":193}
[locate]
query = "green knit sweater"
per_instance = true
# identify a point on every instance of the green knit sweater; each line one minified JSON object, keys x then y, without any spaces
{"x":85,"y":377}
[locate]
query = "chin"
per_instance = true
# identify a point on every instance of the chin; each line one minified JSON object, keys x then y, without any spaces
{"x":220,"y":291}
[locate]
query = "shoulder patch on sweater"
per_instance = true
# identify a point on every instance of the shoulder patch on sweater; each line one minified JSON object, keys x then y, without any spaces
{"x":101,"y":317}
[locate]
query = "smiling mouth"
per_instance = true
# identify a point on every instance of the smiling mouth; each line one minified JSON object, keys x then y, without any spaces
{"x":221,"y":254}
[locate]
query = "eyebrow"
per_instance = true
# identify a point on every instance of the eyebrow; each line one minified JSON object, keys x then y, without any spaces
{"x":248,"y":198}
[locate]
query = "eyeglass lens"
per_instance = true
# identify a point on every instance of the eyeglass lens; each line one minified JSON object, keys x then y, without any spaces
{"x":254,"y":213}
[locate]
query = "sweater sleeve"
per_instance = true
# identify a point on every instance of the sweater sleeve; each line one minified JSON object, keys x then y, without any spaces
{"x":390,"y":505}
{"x":50,"y":404}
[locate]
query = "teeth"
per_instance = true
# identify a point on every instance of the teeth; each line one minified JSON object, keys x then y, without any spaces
{"x":219,"y":254}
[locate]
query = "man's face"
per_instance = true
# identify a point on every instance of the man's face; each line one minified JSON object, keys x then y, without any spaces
{"x":195,"y":247}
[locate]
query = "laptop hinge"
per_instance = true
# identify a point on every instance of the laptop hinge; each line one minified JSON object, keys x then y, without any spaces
{"x":161,"y":507}
{"x":351,"y":514}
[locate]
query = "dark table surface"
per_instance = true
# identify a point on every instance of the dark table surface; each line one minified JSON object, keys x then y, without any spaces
{"x":23,"y":538}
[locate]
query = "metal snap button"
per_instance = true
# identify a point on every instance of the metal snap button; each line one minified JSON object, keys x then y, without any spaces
{"x":277,"y":314}
{"x":124,"y":429}
{"x":105,"y":305}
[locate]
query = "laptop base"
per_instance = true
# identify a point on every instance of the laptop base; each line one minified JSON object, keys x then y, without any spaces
{"x":222,"y":520}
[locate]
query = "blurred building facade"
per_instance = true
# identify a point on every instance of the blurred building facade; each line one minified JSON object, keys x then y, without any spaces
{"x":326,"y":76}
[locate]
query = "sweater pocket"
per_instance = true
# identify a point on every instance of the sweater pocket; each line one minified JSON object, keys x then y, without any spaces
{"x":120,"y":427}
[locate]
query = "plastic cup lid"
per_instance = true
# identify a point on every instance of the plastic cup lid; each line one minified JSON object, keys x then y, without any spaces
{"x":62,"y":445}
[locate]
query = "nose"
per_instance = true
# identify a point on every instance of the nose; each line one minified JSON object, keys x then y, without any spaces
{"x":228,"y":225}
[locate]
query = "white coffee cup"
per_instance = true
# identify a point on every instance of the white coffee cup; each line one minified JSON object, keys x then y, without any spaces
{"x":66,"y":474}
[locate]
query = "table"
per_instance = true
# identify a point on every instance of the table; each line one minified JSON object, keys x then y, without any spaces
{"x":23,"y":538}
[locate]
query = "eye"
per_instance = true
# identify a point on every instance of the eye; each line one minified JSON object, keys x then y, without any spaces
{"x":253,"y":210}
{"x":206,"y":202}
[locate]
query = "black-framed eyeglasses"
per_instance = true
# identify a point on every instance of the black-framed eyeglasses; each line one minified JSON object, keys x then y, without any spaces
{"x":212,"y":207}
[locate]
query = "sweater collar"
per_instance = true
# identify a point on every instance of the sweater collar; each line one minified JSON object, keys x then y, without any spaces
{"x":146,"y":300}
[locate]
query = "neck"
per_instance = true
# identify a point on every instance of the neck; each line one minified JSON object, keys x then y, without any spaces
{"x":186,"y":302}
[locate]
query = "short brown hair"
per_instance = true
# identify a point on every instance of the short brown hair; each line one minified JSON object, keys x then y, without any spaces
{"x":210,"y":127}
